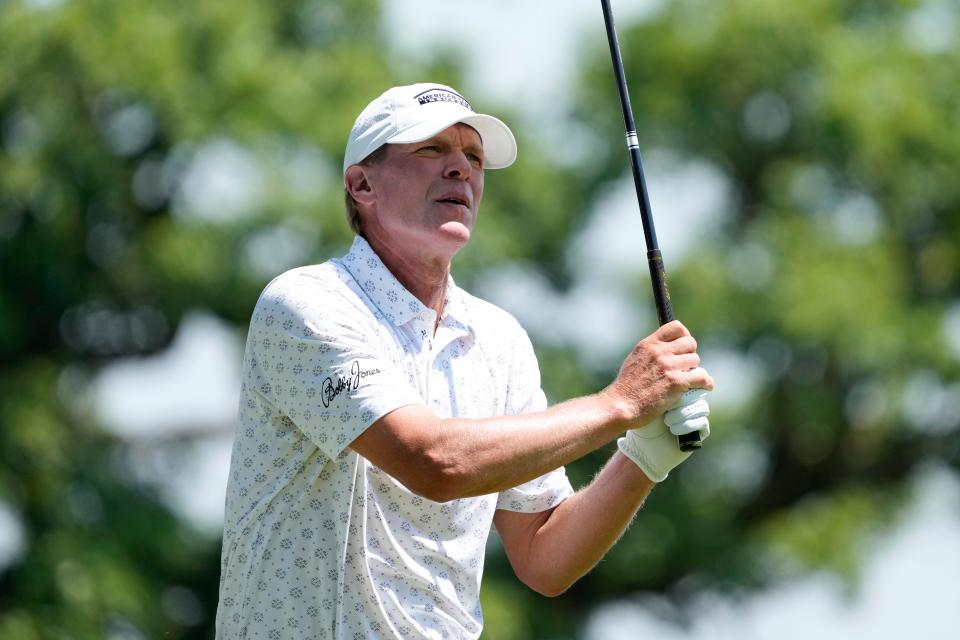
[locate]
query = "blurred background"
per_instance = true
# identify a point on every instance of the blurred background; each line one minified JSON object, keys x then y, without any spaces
{"x":160,"y":162}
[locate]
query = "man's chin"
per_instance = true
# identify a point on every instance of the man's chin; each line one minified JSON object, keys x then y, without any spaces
{"x":455,"y":231}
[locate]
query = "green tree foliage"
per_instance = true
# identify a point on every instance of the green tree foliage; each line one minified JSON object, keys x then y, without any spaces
{"x":834,"y":270}
{"x":158,"y":158}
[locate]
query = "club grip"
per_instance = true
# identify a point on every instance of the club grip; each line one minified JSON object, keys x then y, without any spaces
{"x":661,"y":297}
{"x":661,"y":293}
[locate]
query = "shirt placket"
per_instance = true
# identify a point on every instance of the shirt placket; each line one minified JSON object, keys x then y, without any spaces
{"x":448,"y":333}
{"x":419,"y":333}
{"x":428,"y":367}
{"x":431,"y":347}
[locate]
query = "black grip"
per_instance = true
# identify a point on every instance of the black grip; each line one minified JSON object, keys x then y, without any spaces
{"x":661,"y":297}
{"x":661,"y":293}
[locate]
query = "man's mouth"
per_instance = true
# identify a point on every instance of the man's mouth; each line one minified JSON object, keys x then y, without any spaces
{"x":455,"y":200}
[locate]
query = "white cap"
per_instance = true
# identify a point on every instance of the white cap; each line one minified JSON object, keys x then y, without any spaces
{"x":420,"y":111}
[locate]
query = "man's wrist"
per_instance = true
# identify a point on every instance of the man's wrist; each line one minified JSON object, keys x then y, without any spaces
{"x":619,"y":411}
{"x":628,"y":447}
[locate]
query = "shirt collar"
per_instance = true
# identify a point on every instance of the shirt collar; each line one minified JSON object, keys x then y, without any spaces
{"x":394,"y":301}
{"x":455,"y":307}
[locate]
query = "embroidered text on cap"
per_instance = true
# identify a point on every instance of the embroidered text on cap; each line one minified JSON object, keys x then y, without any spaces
{"x":442,"y":95}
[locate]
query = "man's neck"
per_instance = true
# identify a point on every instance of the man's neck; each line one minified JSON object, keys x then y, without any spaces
{"x":426,"y":278}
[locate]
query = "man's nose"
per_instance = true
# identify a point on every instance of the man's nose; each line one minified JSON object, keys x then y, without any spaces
{"x":458,"y":165}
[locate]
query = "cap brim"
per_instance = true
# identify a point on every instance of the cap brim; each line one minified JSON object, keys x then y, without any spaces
{"x":499,"y":145}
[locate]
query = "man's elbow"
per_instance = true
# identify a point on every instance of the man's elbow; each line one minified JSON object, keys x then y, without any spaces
{"x":549,"y":586}
{"x":552,"y":591}
{"x":438,"y":480}
{"x":434,"y":488}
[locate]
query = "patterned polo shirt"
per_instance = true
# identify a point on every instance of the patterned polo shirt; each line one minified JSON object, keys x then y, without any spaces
{"x":318,"y":542}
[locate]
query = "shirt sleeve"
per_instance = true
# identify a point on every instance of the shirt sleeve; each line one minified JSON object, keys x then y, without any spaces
{"x":526,"y":396}
{"x":319,"y":360}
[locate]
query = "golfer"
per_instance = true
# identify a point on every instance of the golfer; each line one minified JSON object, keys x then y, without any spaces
{"x":389,"y":419}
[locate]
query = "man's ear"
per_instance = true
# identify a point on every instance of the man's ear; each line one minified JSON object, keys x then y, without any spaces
{"x":357,"y":182}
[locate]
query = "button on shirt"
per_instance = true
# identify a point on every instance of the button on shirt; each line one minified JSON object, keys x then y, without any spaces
{"x":319,"y":542}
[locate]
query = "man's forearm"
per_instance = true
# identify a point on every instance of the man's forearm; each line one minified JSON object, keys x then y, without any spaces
{"x":446,"y":459}
{"x":502,"y":453}
{"x":568,"y":541}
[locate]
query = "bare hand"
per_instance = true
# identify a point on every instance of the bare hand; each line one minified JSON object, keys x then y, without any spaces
{"x":658,"y":370}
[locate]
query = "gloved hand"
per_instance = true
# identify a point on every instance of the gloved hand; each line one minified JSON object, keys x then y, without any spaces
{"x":654,"y":447}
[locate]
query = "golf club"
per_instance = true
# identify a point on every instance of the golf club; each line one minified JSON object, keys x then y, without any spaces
{"x":658,"y":276}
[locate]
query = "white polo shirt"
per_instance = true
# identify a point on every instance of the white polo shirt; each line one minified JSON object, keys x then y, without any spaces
{"x":320,"y":543}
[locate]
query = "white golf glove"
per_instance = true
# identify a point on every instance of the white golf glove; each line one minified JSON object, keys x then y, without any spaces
{"x":654,"y":447}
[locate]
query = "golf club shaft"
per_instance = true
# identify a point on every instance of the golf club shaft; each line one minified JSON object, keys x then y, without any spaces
{"x":658,"y":276}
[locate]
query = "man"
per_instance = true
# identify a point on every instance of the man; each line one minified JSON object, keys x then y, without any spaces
{"x":389,"y":419}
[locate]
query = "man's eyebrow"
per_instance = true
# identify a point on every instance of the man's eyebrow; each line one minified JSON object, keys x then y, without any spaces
{"x":469,"y":146}
{"x":474,"y":147}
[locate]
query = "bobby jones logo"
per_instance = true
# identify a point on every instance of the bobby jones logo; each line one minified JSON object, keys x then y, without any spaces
{"x":331,"y":389}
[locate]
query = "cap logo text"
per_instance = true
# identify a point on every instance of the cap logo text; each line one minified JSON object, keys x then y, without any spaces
{"x":442,"y":95}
